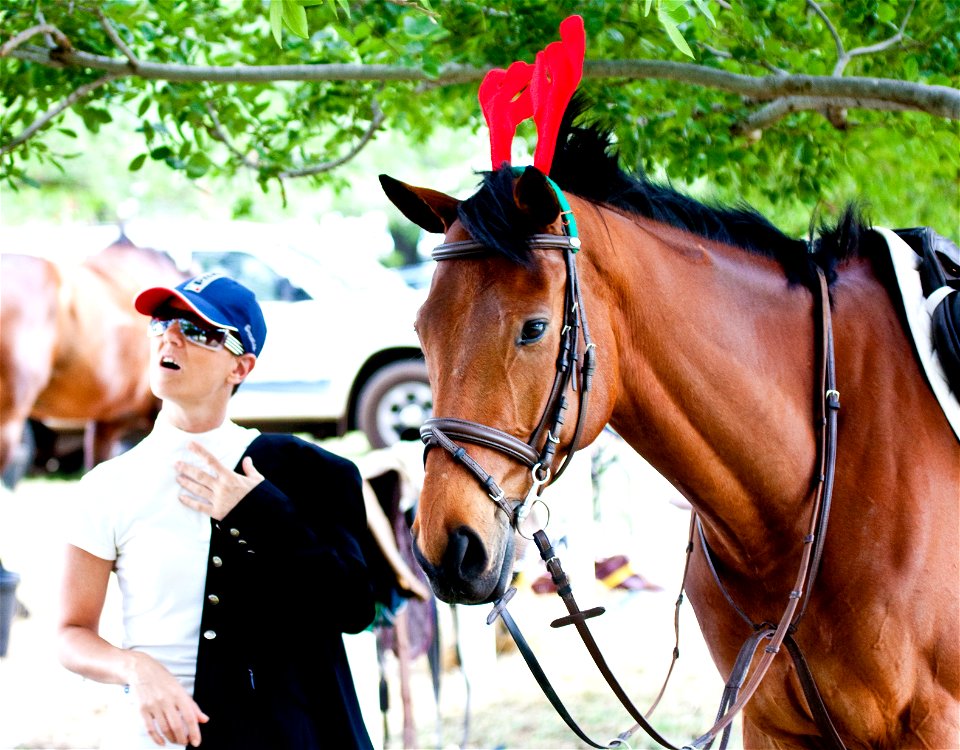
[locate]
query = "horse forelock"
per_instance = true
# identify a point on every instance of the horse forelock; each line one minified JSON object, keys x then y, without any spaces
{"x":492,"y":218}
{"x":587,"y":165}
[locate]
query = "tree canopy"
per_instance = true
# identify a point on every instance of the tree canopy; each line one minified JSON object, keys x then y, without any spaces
{"x":785,"y":102}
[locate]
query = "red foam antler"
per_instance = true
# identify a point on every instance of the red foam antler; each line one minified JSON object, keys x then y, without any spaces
{"x":542,"y":91}
{"x":505,"y":100}
{"x":558,"y":70}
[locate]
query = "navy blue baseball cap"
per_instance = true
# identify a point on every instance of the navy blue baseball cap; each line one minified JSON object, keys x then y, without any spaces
{"x":217,"y":299}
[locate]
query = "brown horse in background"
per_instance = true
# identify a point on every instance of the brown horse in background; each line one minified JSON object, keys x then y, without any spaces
{"x":72,"y":347}
{"x":705,"y":326}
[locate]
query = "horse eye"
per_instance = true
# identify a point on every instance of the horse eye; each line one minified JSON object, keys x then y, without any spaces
{"x":532,"y":332}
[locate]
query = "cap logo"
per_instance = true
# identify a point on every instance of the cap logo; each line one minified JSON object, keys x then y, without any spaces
{"x":201,"y":282}
{"x":251,"y":337}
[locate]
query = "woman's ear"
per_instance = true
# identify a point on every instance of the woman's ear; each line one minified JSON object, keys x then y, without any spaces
{"x":242,"y":366}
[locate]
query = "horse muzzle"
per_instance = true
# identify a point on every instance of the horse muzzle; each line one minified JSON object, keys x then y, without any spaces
{"x":467,"y":573}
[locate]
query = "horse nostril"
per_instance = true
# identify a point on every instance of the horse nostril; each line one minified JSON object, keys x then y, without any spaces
{"x":466,"y":557}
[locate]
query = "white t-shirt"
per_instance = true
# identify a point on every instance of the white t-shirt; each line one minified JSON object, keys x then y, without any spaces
{"x":127,"y":510}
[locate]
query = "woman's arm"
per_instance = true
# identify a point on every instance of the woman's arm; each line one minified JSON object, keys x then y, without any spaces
{"x":167,"y":710}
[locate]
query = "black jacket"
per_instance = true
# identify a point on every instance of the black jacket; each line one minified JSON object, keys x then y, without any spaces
{"x":286,"y":576}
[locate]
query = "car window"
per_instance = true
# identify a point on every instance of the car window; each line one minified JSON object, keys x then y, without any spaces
{"x":267,"y":284}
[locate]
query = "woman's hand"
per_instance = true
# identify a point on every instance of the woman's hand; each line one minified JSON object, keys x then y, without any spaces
{"x":167,"y":711}
{"x":220,"y":488}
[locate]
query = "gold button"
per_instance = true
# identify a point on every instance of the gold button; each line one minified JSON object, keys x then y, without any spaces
{"x":234,"y":532}
{"x":209,"y":634}
{"x":213,"y":599}
{"x":217,"y":562}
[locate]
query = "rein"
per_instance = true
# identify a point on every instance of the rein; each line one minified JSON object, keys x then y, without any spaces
{"x":441,"y":431}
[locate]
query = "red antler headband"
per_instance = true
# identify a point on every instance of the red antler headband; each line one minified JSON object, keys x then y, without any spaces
{"x":542,"y":91}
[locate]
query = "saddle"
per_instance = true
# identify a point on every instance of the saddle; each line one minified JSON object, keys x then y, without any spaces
{"x":939,"y":271}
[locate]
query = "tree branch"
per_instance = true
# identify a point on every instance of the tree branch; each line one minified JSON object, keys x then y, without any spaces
{"x":220,"y":134}
{"x":115,"y":37}
{"x":44,"y":28}
{"x":887,"y":43}
{"x":844,"y":57}
{"x":69,"y":101}
{"x":941,"y":101}
{"x":375,"y":123}
{"x":837,"y":41}
{"x":775,"y":111}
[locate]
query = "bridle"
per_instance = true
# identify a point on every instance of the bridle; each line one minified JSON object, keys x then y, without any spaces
{"x":441,"y":431}
{"x":575,"y":366}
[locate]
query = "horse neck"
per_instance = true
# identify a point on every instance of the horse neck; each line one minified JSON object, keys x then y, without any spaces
{"x":714,"y":355}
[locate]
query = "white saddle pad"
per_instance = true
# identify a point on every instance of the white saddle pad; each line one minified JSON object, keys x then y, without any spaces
{"x":905,"y":264}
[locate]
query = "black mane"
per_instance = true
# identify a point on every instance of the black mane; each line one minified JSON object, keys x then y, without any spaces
{"x":586,"y":165}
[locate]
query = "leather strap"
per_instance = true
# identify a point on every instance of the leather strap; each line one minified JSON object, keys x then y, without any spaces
{"x":812,"y":543}
{"x":814,"y":700}
{"x":460,"y":454}
{"x":739,"y":690}
{"x":500,"y":610}
{"x":572,"y":373}
{"x":478,"y":434}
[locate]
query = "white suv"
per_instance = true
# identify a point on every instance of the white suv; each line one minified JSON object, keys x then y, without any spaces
{"x":341,"y":352}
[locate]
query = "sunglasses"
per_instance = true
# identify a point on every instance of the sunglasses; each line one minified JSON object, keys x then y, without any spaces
{"x":209,"y":338}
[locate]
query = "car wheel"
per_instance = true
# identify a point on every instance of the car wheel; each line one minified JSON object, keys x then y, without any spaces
{"x":394,"y":402}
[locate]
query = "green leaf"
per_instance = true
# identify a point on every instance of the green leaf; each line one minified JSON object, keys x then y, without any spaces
{"x":705,"y":10}
{"x":137,"y":162}
{"x":144,"y":106}
{"x":276,"y":21}
{"x":646,"y":7}
{"x":197,"y":166}
{"x":886,"y":13}
{"x":345,"y":7}
{"x":670,"y":26}
{"x":295,"y":17}
{"x":161,"y":152}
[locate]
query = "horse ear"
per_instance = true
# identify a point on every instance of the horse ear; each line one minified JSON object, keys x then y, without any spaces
{"x":429,"y":209}
{"x":535,"y":198}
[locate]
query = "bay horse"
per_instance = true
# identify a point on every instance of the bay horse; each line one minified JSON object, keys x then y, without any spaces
{"x":704,"y":321}
{"x":72,"y":347}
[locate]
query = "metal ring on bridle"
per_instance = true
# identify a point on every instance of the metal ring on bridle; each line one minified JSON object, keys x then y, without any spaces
{"x":538,"y":481}
{"x":518,"y":522}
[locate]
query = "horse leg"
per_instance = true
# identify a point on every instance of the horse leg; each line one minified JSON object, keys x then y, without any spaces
{"x":11,"y":433}
{"x":19,"y":389}
{"x":100,"y":441}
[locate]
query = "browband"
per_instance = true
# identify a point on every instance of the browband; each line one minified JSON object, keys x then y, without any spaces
{"x":474,"y":249}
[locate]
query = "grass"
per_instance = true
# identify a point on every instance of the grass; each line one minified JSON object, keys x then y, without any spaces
{"x":510,"y":711}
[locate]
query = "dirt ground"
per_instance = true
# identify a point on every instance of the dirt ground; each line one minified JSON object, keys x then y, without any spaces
{"x":44,"y":706}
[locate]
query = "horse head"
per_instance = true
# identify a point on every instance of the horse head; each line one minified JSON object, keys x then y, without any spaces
{"x":497,"y":315}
